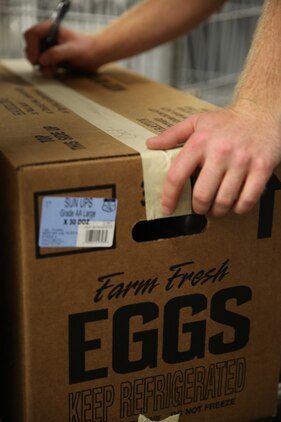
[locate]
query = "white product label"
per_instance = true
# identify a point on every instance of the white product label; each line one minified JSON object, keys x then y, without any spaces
{"x":77,"y":222}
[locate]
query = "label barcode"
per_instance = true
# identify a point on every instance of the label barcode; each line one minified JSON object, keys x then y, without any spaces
{"x":96,"y":236}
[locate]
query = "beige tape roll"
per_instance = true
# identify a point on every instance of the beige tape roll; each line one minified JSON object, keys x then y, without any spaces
{"x":155,"y":163}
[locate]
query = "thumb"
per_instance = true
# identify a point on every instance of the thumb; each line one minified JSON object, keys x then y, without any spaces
{"x":174,"y":136}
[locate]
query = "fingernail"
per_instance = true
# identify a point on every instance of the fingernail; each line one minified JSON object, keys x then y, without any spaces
{"x":151,"y":139}
{"x":166,"y":210}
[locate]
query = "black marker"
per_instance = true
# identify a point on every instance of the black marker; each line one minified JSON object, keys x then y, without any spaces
{"x":57,"y":16}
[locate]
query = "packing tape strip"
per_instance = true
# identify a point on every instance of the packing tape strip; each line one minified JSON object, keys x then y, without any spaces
{"x":155,"y":162}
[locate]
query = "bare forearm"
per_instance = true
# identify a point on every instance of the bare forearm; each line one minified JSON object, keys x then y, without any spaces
{"x":150,"y":23}
{"x":236,"y":147}
{"x":260,"y":82}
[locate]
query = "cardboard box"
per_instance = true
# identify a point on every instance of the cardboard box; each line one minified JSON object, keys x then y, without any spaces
{"x":149,"y":322}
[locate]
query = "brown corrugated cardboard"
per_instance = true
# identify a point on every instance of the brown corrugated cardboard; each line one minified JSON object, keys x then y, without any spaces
{"x":186,"y":325}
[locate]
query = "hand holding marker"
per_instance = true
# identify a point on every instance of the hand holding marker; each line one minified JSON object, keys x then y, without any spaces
{"x":57,"y":17}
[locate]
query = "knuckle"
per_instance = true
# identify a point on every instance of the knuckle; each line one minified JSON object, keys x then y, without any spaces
{"x":245,"y":206}
{"x":254,"y":191}
{"x":263,"y":165}
{"x":223,"y":150}
{"x":30,"y":32}
{"x":249,"y":202}
{"x":242,"y":158}
{"x":239,"y":210}
{"x":172,"y":178}
{"x":201,"y":198}
{"x":198,"y":141}
{"x":218,"y":212}
{"x":224,"y":202}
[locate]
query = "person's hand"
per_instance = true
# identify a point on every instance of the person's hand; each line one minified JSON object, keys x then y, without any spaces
{"x":74,"y":49}
{"x":235,"y":149}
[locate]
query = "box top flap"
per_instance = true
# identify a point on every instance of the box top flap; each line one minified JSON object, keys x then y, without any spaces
{"x":82,"y":117}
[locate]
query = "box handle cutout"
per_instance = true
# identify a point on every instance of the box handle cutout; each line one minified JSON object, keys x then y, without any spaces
{"x":166,"y":228}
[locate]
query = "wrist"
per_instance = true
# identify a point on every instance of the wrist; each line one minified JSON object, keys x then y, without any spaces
{"x":99,"y":51}
{"x":253,"y":105}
